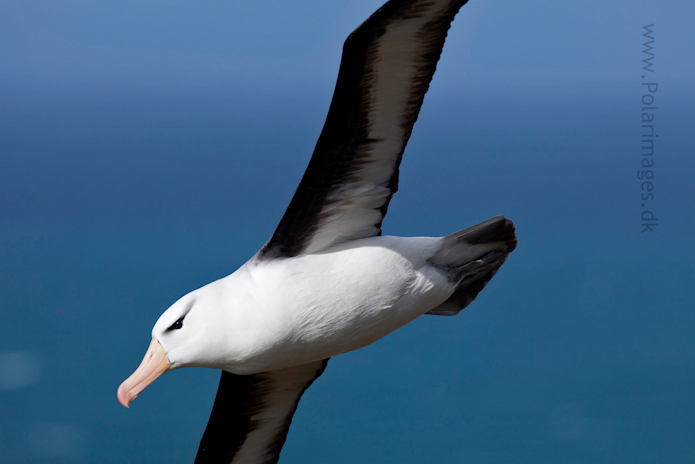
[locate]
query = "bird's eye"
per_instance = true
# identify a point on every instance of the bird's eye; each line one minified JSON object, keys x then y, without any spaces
{"x":176,"y":325}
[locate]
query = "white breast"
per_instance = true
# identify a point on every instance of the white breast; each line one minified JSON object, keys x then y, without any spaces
{"x":316,"y":306}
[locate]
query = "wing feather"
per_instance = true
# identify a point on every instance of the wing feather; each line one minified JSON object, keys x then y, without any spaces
{"x":252,"y":415}
{"x":386,"y":68}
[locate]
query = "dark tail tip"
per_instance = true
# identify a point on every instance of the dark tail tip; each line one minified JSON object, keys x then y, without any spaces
{"x":497,"y":229}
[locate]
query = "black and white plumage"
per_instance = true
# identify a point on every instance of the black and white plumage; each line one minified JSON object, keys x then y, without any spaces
{"x":327,"y":282}
{"x":386,"y":69}
{"x":252,"y":414}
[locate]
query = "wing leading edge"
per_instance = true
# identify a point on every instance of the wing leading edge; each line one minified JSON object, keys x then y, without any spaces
{"x":252,"y":415}
{"x":386,"y":68}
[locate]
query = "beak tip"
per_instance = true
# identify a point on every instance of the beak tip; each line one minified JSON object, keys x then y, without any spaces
{"x":121,"y":395}
{"x":155,"y":363}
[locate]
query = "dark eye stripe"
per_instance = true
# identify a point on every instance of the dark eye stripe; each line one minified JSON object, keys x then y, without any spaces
{"x":177,"y":325}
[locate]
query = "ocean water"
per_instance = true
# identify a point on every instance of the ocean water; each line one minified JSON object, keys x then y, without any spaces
{"x":117,"y":199}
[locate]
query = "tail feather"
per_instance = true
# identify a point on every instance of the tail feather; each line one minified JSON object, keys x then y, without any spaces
{"x":472,"y":257}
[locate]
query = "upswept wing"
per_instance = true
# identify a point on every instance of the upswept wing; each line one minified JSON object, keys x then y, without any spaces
{"x":386,"y":68}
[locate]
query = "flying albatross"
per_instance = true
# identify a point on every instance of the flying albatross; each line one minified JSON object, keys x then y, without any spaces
{"x":327,"y":282}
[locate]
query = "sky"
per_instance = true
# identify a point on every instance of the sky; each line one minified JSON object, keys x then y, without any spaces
{"x":148,"y":148}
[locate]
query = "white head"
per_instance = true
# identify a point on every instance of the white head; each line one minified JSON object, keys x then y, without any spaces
{"x":193,"y":332}
{"x":218,"y":326}
{"x":189,"y":332}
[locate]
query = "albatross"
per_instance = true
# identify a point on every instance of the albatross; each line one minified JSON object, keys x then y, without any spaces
{"x":327,"y":282}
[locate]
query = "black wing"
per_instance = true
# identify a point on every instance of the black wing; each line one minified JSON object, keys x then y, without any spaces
{"x":386,"y":68}
{"x":252,"y":415}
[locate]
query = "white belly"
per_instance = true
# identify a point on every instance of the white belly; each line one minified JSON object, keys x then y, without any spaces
{"x":320,"y":305}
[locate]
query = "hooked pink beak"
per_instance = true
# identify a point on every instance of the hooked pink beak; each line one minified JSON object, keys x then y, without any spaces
{"x":154,"y":364}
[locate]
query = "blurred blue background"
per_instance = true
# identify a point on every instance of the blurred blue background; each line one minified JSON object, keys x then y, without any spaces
{"x":148,"y":148}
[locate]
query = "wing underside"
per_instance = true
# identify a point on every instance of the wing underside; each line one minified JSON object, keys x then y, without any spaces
{"x":386,"y":68}
{"x":252,"y":415}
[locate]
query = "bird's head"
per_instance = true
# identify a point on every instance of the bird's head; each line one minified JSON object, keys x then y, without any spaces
{"x":180,"y":338}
